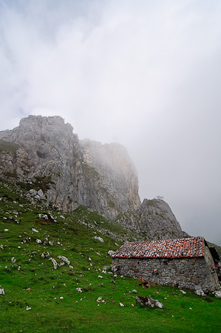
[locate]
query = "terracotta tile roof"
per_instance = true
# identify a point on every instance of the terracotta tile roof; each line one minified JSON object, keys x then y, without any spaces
{"x":172,"y":248}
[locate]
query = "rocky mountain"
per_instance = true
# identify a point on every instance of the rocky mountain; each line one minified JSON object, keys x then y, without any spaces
{"x":44,"y":155}
{"x":158,"y":220}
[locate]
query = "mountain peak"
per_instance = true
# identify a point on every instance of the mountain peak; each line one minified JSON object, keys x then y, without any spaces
{"x":47,"y":155}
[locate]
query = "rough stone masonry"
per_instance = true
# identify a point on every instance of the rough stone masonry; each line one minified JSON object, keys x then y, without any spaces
{"x":184,"y":263}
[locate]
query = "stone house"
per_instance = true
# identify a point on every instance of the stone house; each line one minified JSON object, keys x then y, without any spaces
{"x":185,"y":263}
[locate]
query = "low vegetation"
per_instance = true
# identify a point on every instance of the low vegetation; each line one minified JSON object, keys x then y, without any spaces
{"x":82,"y":294}
{"x":8,"y":146}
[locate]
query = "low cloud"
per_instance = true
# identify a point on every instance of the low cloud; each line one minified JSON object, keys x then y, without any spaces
{"x":145,"y":74}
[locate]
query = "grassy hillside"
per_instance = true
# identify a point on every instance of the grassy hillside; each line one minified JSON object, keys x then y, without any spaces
{"x":40,"y":298}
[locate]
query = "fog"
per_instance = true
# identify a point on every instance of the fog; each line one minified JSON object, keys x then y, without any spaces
{"x":142,"y":73}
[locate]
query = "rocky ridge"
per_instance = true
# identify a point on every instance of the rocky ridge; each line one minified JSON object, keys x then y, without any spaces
{"x":44,"y":155}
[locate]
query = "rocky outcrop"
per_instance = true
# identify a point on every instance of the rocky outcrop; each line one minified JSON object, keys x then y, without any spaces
{"x":43,"y":153}
{"x":112,"y":174}
{"x":158,"y":220}
{"x":149,"y":302}
{"x":47,"y":156}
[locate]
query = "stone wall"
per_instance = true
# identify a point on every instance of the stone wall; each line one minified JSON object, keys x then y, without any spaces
{"x":180,"y":272}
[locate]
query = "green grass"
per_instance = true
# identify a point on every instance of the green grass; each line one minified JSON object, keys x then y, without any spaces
{"x":8,"y":146}
{"x":56,"y":305}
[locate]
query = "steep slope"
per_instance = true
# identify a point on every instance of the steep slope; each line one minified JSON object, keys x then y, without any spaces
{"x":45,"y":151}
{"x":56,"y":277}
{"x":44,"y":155}
{"x":117,"y":189}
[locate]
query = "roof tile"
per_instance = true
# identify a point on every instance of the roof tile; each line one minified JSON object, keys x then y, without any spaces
{"x":172,"y":248}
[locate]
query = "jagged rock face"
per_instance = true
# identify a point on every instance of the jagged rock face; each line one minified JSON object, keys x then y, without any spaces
{"x":116,"y":175}
{"x":158,"y":220}
{"x":101,"y":177}
{"x":43,"y":153}
{"x":48,"y":153}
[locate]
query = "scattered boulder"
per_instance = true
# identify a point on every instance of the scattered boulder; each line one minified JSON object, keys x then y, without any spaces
{"x":217,"y":294}
{"x":99,"y":239}
{"x":149,"y":302}
{"x":43,"y":216}
{"x":63,"y":258}
{"x":99,"y":300}
{"x":114,"y":268}
{"x":2,"y":292}
{"x":41,"y":194}
{"x":199,"y":291}
{"x":54,"y":263}
{"x":105,"y":269}
{"x":45,"y":255}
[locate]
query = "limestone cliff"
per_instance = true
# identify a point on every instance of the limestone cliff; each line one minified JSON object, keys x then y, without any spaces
{"x":44,"y":153}
{"x":45,"y":150}
{"x":158,"y":220}
{"x":115,"y":178}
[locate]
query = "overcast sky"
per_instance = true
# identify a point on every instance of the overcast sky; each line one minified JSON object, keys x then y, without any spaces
{"x":142,"y":73}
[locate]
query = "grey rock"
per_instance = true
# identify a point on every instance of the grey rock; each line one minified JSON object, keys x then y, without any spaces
{"x":45,"y":155}
{"x":199,"y":291}
{"x":63,"y":258}
{"x":2,"y":292}
{"x":41,"y":194}
{"x":149,"y":302}
{"x":54,"y":262}
{"x":217,"y":294}
{"x":158,"y":220}
{"x":99,"y":239}
{"x":114,"y":175}
{"x":105,"y":268}
{"x":99,"y":299}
